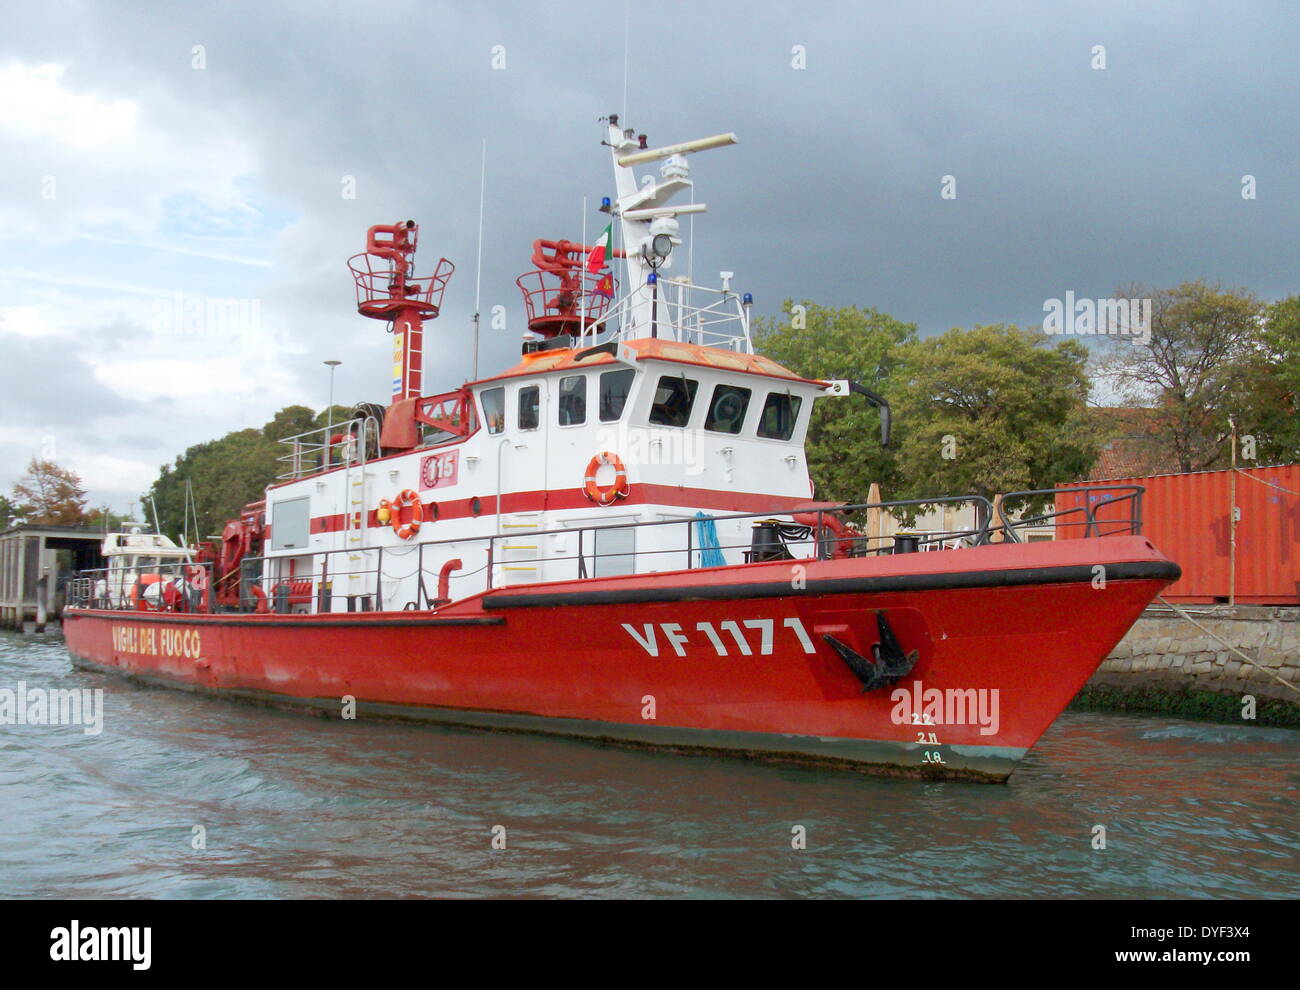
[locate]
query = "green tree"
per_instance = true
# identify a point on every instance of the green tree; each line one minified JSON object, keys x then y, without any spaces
{"x":990,"y":410}
{"x":48,"y":495}
{"x":102,"y":517}
{"x":1274,"y":415}
{"x":290,"y":421}
{"x":843,"y":446}
{"x":225,"y":475}
{"x":1201,"y":365}
{"x":7,"y":513}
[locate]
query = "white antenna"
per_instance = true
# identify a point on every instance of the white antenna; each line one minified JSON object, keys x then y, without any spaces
{"x":478,"y":278}
{"x":627,"y":28}
{"x":582,"y":277}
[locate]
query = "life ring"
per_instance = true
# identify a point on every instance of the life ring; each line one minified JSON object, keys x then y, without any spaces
{"x":608,"y":494}
{"x":407,"y":499}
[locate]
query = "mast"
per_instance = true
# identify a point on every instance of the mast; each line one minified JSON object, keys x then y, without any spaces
{"x":647,"y":222}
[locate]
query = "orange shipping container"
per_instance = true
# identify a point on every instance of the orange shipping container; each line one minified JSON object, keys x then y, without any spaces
{"x":1187,"y":517}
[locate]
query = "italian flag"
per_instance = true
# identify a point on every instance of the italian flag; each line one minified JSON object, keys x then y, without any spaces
{"x":596,"y":260}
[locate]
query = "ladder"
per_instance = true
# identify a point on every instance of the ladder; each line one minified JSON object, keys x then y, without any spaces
{"x":521,"y":551}
{"x":355,"y":511}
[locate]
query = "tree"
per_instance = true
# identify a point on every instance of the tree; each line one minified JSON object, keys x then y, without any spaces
{"x":226,"y":474}
{"x":48,"y":495}
{"x":105,"y":519}
{"x":289,"y":422}
{"x":1201,"y":365}
{"x":1275,"y":414}
{"x":843,"y":448}
{"x":991,"y":410}
{"x":7,"y":513}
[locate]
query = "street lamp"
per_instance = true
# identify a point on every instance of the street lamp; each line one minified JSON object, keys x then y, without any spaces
{"x":329,"y":417}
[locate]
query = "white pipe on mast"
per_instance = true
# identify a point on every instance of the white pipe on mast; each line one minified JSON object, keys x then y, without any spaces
{"x":582,"y":277}
{"x":686,"y":147}
{"x":478,"y":277}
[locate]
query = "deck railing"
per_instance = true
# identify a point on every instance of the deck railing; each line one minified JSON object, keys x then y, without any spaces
{"x":313,"y":451}
{"x":379,"y":578}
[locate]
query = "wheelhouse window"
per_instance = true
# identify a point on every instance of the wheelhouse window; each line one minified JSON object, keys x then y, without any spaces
{"x":727,"y":410}
{"x":530,"y":404}
{"x":494,"y":409}
{"x":573,"y":400}
{"x":780,"y":413}
{"x":674,"y":399}
{"x":615,"y":386}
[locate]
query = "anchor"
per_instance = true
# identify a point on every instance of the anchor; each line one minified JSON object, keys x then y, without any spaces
{"x":890,"y":662}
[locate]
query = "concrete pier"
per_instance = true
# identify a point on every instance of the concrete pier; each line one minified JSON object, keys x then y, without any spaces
{"x":1167,"y":664}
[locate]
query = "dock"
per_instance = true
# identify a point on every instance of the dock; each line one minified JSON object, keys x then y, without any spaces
{"x":35,"y":562}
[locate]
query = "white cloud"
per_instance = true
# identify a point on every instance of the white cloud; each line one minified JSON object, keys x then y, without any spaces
{"x":25,"y":321}
{"x":34,"y":103}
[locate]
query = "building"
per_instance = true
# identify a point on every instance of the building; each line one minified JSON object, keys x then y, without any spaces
{"x":35,"y":562}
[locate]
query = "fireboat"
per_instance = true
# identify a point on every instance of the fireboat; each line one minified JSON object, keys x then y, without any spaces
{"x":616,"y":539}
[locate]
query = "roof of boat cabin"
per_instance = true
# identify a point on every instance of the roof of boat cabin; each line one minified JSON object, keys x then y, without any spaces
{"x":651,"y":348}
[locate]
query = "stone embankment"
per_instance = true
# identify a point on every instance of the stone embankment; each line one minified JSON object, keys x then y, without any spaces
{"x":1165,"y":664}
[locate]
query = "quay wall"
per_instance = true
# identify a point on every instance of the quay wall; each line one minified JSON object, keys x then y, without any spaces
{"x":1167,"y":665}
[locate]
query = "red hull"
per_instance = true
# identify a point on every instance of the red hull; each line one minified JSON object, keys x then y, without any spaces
{"x":727,"y":659}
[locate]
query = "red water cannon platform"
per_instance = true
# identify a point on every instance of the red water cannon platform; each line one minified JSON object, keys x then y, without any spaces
{"x":388,"y":289}
{"x":560,"y":296}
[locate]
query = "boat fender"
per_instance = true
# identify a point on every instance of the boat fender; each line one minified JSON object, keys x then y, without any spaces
{"x":385,"y":511}
{"x":407,"y":499}
{"x":609,"y":493}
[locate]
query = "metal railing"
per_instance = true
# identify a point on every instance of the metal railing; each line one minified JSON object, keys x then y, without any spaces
{"x":680,"y":314}
{"x":312,"y":452}
{"x":178,"y":587}
{"x":379,"y":578}
{"x":1090,"y":506}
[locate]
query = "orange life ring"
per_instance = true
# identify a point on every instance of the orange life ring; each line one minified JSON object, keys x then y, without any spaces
{"x":407,"y":499}
{"x":607,"y":495}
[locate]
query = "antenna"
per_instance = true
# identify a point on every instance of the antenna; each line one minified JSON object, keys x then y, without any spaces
{"x":478,"y":277}
{"x":627,"y":29}
{"x":153,"y":504}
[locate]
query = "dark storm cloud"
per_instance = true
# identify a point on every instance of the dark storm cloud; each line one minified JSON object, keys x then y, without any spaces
{"x":45,"y":383}
{"x":1067,"y":177}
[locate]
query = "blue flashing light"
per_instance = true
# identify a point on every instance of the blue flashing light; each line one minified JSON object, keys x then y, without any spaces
{"x":652,"y":278}
{"x":747,"y":299}
{"x":605,"y":204}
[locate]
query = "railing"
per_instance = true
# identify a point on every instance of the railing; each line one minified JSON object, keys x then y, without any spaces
{"x":377,"y":283}
{"x":1089,"y":507}
{"x":178,"y":587}
{"x":370,"y":579}
{"x":312,"y":452}
{"x":677,"y":314}
{"x":564,"y":303}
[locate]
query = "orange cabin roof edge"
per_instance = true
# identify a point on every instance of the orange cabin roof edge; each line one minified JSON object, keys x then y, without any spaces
{"x":652,"y":348}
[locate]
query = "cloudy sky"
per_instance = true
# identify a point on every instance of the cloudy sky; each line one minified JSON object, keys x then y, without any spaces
{"x":155,"y":153}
